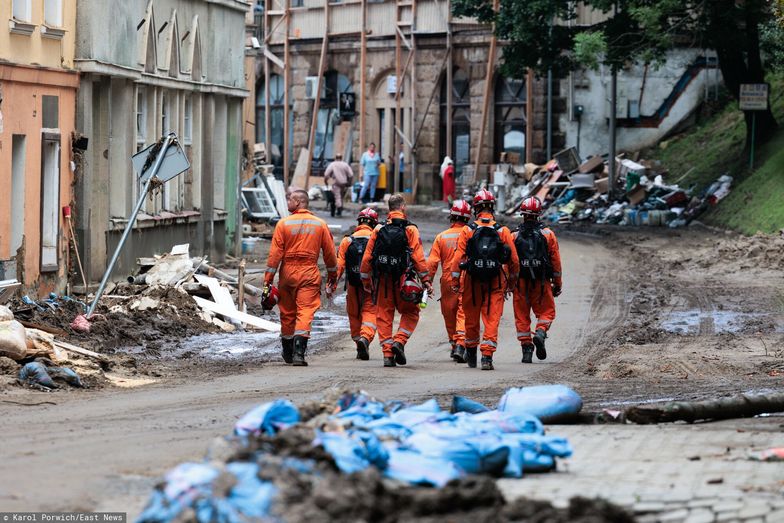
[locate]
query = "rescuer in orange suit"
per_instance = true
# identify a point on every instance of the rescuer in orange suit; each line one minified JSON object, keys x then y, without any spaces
{"x":484,"y":249}
{"x":540,"y":279}
{"x":359,"y":304}
{"x":393,"y":266}
{"x":296,"y":243}
{"x":443,"y":253}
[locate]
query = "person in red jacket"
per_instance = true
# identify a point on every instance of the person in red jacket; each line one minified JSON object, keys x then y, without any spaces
{"x":393,"y":252}
{"x":359,"y":304}
{"x":485,"y":251}
{"x":443,"y":253}
{"x":540,"y":279}
{"x":296,"y":243}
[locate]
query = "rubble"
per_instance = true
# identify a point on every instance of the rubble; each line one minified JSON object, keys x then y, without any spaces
{"x":579,"y":192}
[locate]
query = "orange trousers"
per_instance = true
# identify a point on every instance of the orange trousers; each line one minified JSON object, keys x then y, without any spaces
{"x":533,"y":296}
{"x":452,"y":311}
{"x":483,"y":301}
{"x":300,"y":298}
{"x":361,"y":313}
{"x":388,"y":301}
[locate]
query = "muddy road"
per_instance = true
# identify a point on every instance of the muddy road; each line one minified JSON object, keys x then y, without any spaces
{"x":638,"y":321}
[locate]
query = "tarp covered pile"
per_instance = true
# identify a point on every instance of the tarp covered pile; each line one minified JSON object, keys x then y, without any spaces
{"x":413,"y":444}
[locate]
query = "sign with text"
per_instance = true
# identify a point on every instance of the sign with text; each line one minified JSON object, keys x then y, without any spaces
{"x":753,"y":97}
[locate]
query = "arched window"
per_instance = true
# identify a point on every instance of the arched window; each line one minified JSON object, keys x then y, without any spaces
{"x":461,"y":120}
{"x":510,"y":116}
{"x":332,"y":111}
{"x":276,"y":89}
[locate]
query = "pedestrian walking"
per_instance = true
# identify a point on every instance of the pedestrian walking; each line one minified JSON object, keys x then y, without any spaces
{"x":448,"y":177}
{"x":540,"y":279}
{"x":443,"y":253}
{"x":395,"y":270}
{"x":401,"y":166}
{"x":370,"y":161}
{"x":359,"y":303}
{"x":486,"y":253}
{"x":296,"y":243}
{"x":339,"y":175}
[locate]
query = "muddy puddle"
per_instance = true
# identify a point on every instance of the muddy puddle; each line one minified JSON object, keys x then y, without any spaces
{"x":696,"y":321}
{"x":248,"y":344}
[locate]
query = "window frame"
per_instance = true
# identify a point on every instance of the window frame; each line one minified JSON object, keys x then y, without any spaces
{"x":187,"y":120}
{"x":58,"y":5}
{"x":141,"y":103}
{"x":28,"y":8}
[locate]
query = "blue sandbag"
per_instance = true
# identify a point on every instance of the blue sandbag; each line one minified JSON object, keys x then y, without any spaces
{"x":65,"y":374}
{"x":354,"y":451}
{"x":501,"y":422}
{"x":549,"y":403}
{"x":427,"y":411}
{"x":412,"y":467}
{"x":539,"y":452}
{"x":267,"y":418}
{"x":35,"y":373}
{"x":463,"y":404}
{"x":250,"y":496}
{"x":478,"y":454}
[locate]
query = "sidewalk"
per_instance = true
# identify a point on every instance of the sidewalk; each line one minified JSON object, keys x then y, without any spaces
{"x":672,"y":473}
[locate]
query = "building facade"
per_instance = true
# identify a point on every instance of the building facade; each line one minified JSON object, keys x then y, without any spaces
{"x":369,"y":43}
{"x":147,"y":68}
{"x":420,"y":42}
{"x":38,"y":86}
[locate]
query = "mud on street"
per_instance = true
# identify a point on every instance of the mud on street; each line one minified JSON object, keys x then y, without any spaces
{"x":646,"y":316}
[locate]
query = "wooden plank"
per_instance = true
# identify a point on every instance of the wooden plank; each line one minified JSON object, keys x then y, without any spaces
{"x":237,"y":315}
{"x":79,"y":350}
{"x":300,"y":178}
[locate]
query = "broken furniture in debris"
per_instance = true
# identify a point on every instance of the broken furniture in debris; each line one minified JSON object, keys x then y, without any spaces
{"x":215,"y":291}
{"x":572,"y":190}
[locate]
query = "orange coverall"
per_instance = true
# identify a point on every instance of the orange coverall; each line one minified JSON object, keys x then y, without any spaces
{"x":484,"y":300}
{"x":537,"y":295}
{"x":359,"y":303}
{"x":388,"y":292}
{"x":296,"y":243}
{"x":443,"y":252}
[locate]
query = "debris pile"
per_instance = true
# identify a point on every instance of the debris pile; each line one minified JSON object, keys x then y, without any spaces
{"x":580,"y":192}
{"x":353,"y":458}
{"x":33,"y":356}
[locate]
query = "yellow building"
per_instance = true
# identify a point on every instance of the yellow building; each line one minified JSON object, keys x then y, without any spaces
{"x":37,"y":112}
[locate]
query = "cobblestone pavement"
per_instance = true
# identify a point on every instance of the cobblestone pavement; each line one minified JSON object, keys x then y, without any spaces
{"x":669,"y":473}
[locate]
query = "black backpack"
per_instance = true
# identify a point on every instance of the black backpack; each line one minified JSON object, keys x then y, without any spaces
{"x":391,"y":255}
{"x":485,"y":253}
{"x":534,"y":255}
{"x":354,"y":254}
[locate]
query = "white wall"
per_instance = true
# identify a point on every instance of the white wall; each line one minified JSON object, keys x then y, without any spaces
{"x":592,"y":90}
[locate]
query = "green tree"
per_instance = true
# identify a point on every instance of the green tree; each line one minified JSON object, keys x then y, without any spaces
{"x":540,"y":35}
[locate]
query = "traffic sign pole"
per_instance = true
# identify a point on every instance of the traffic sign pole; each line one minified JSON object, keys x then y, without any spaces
{"x":753,"y":138}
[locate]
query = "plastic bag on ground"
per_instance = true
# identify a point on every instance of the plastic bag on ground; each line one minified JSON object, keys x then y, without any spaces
{"x":549,"y":403}
{"x":13,"y":340}
{"x":427,"y":411}
{"x":267,"y":418}
{"x":5,"y":314}
{"x":35,"y":373}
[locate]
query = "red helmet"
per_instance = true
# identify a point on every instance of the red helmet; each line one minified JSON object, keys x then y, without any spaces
{"x":269,"y":298}
{"x":412,"y":290}
{"x":531,"y":206}
{"x":460,"y":209}
{"x":483,"y":198}
{"x":368,"y":215}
